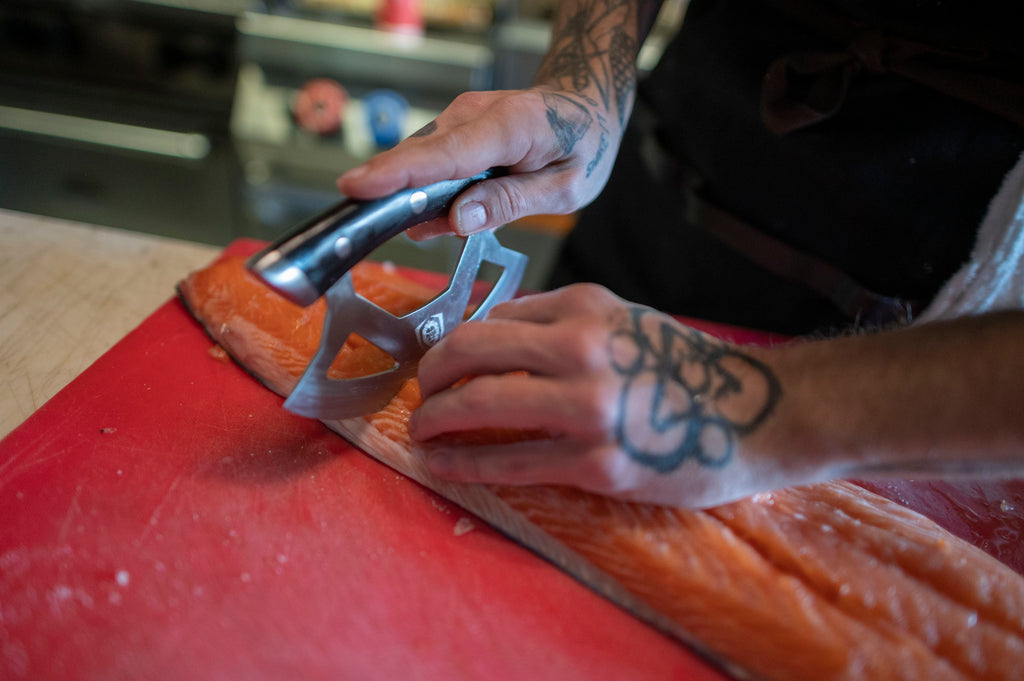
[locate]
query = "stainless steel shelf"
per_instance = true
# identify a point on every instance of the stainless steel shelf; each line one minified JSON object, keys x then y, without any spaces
{"x":353,"y":53}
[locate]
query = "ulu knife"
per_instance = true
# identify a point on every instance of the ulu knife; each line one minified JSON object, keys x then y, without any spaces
{"x":314,"y":260}
{"x":307,"y":261}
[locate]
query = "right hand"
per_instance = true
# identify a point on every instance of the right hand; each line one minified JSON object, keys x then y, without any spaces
{"x":559,"y":147}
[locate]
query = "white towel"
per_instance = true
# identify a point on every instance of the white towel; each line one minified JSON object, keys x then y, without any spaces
{"x":993,"y":278}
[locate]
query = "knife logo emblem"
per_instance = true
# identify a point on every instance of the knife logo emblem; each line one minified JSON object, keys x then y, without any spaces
{"x":430,"y":330}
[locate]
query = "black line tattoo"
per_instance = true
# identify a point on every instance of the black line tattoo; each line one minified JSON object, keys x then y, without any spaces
{"x":596,"y":161}
{"x":686,"y":396}
{"x":427,"y":129}
{"x":569,"y":119}
{"x":622,"y":53}
{"x":593,"y":49}
{"x":568,"y":59}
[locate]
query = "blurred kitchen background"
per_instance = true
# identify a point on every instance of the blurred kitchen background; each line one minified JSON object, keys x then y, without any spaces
{"x":209,"y":120}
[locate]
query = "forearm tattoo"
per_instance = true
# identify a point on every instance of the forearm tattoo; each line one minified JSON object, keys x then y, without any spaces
{"x":686,"y":396}
{"x":594,"y":50}
{"x":593,"y":59}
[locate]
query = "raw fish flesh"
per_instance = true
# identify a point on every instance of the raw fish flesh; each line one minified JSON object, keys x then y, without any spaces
{"x":826,"y":581}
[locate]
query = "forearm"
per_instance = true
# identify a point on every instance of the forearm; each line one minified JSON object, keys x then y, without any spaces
{"x":593,"y":51}
{"x":939,"y":398}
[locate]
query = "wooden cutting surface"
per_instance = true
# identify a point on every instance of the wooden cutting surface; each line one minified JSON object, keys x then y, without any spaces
{"x":68,"y":292}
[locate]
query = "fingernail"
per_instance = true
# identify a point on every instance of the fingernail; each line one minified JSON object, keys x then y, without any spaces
{"x":472,"y":217}
{"x":413,"y":425}
{"x":353,"y":174}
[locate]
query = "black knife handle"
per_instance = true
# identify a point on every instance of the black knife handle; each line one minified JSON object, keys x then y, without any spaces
{"x":309,"y":259}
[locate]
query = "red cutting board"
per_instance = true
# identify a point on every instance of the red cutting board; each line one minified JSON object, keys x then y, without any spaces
{"x":163,"y":517}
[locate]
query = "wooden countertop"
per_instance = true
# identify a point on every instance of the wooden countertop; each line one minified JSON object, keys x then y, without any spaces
{"x":68,"y":293}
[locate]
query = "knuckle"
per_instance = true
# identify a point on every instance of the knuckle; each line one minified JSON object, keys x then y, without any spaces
{"x":437,"y":364}
{"x":568,"y":195}
{"x":507,"y":202}
{"x":459,"y":341}
{"x":578,"y":192}
{"x":430,"y":375}
{"x":471,"y":468}
{"x":582,"y":347}
{"x":477,"y":397}
{"x":472,"y":101}
{"x":511,"y":467}
{"x":609,"y":472}
{"x":589,"y":297}
{"x":595,"y":411}
{"x":505,"y":104}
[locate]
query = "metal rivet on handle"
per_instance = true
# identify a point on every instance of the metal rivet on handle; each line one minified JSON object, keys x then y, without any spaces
{"x":343,"y":247}
{"x":418,"y":202}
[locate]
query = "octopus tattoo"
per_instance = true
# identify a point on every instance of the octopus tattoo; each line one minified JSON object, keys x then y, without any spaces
{"x":685,"y":395}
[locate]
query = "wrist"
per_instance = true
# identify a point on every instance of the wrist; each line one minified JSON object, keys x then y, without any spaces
{"x":798,"y":442}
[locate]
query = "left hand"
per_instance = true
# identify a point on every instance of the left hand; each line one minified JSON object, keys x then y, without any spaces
{"x":635,"y":404}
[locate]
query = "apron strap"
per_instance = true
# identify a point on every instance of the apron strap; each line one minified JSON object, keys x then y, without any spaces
{"x":859,"y":304}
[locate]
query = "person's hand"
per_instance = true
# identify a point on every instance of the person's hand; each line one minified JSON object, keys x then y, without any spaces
{"x":631,"y":403}
{"x":558,"y":139}
{"x":558,"y":147}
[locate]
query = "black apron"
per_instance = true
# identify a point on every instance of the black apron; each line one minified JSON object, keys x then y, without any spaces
{"x":874,"y":197}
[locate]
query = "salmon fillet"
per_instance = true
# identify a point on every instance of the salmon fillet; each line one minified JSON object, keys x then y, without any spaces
{"x":826,"y":581}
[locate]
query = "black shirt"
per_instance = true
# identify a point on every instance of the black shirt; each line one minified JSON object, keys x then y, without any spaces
{"x":890,"y":189}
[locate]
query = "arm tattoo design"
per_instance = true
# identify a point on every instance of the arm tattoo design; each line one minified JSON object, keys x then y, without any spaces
{"x":593,"y":49}
{"x":602,"y":146}
{"x":622,"y":61}
{"x":569,"y":119}
{"x":685,"y":395}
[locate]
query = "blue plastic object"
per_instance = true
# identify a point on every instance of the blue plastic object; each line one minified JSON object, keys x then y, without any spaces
{"x":386,"y":111}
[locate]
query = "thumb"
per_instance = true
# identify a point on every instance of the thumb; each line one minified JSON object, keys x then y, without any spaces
{"x":496,"y":202}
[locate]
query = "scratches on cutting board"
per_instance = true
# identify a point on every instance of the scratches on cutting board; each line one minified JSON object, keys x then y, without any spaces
{"x":73,"y":510}
{"x":154,"y":516}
